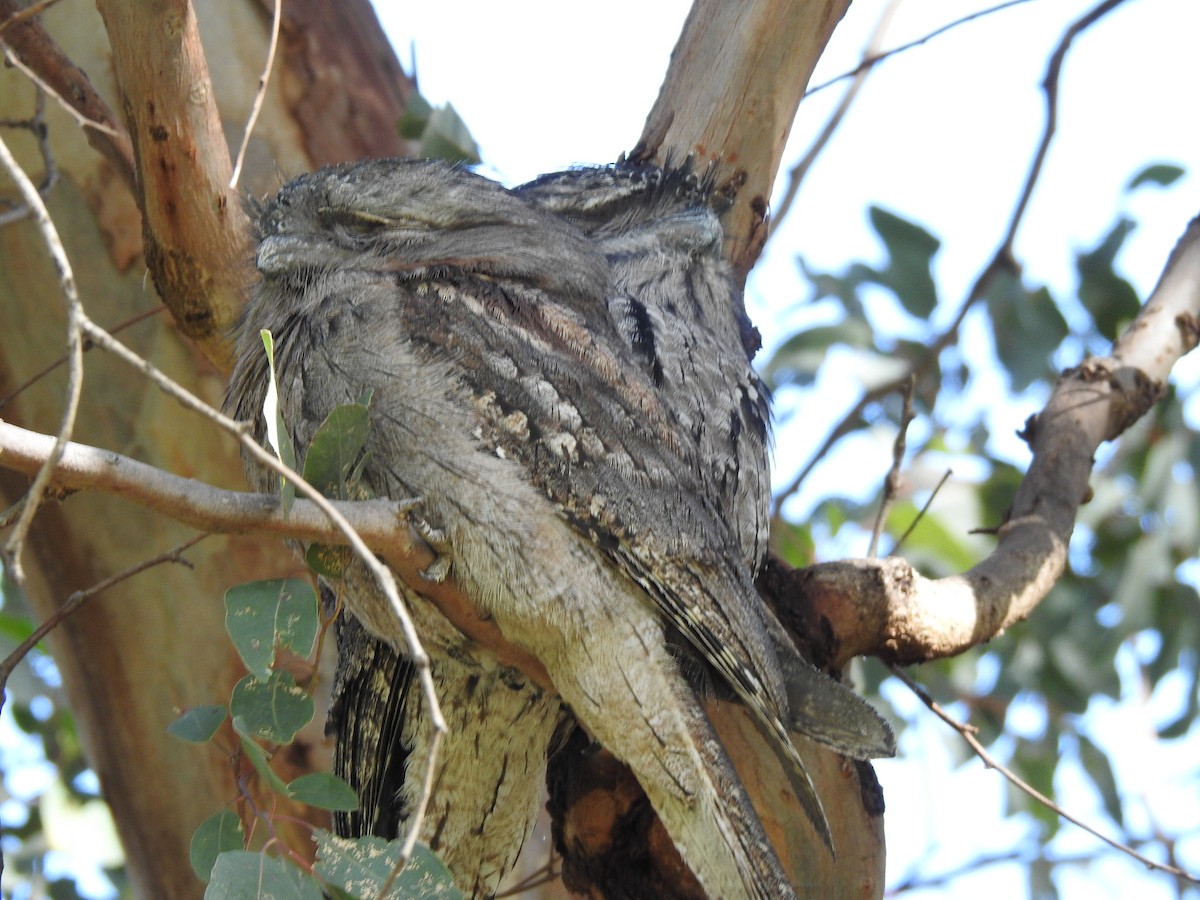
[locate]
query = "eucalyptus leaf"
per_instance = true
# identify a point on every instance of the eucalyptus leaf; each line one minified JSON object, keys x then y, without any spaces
{"x":271,"y":710}
{"x":261,"y":615}
{"x":362,"y":866}
{"x":243,"y":875}
{"x":217,"y":834}
{"x":198,"y":724}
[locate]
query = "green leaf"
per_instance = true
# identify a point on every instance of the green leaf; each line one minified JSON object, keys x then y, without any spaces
{"x":271,"y":710}
{"x":794,"y":543}
{"x":335,"y":448}
{"x":1110,"y":299}
{"x":333,"y":465}
{"x":216,"y":835}
{"x":1036,"y":763}
{"x":258,"y":758}
{"x":416,"y":116}
{"x":328,"y":560}
{"x":262,"y":614}
{"x":198,"y":724}
{"x":930,"y":536}
{"x":1027,"y":327}
{"x":1160,"y":174}
{"x":446,"y":136}
{"x":909,"y":272}
{"x":277,"y":433}
{"x":243,"y":875}
{"x":324,"y":791}
{"x":843,"y":288}
{"x":800,"y":357}
{"x":361,"y":867}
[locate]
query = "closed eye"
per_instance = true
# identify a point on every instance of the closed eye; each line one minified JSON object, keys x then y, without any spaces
{"x":353,"y":220}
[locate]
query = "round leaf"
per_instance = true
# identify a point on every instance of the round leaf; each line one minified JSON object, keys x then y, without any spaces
{"x":216,"y":835}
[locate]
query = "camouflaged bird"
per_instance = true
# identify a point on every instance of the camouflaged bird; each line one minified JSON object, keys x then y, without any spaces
{"x":552,"y":372}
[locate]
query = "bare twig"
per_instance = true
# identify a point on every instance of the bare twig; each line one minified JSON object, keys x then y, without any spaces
{"x":77,"y":599}
{"x":1001,"y":261}
{"x":35,"y":125}
{"x":891,"y":484}
{"x":969,"y":735}
{"x":75,"y":319}
{"x":869,"y":62}
{"x":44,"y":86}
{"x":87,"y":345}
{"x":924,"y":509}
{"x":801,"y":169}
{"x":259,"y":95}
{"x":61,"y":78}
{"x":29,"y":12}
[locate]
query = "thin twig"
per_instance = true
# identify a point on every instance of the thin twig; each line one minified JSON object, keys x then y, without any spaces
{"x":921,"y":513}
{"x":968,"y":733}
{"x":35,"y":125}
{"x":76,"y":600}
{"x":39,"y":53}
{"x":1001,"y":261}
{"x":87,"y":345}
{"x":260,"y":95}
{"x":801,"y":169}
{"x":872,"y":61}
{"x":84,"y":122}
{"x":28,"y":12}
{"x":891,"y":484}
{"x":75,"y":320}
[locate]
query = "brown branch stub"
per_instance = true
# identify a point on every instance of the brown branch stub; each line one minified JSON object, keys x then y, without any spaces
{"x":196,"y":234}
{"x":737,"y":75}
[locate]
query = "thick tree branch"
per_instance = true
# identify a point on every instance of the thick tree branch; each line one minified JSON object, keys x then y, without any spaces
{"x":886,"y":608}
{"x":730,"y":95}
{"x":196,"y":234}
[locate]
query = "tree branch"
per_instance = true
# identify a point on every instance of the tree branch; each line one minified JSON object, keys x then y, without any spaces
{"x":755,"y":58}
{"x":196,"y":234}
{"x":886,"y":608}
{"x":30,"y":43}
{"x":383,"y":525}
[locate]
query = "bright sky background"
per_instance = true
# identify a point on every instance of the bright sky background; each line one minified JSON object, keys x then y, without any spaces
{"x":942,"y":134}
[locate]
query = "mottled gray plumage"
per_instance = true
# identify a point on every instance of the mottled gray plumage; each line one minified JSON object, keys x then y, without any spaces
{"x":560,"y":374}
